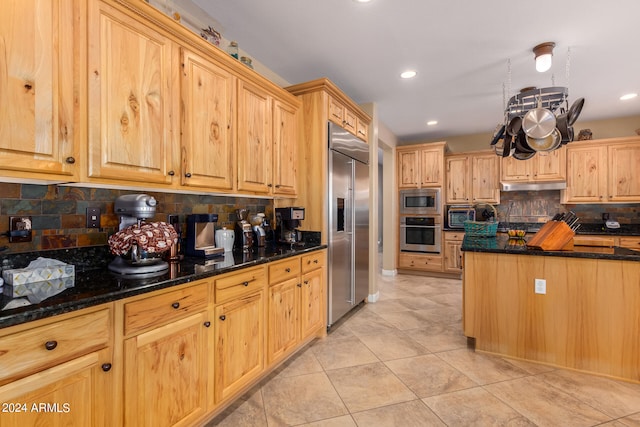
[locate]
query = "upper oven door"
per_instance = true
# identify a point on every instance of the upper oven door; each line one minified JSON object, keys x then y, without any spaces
{"x":420,"y":202}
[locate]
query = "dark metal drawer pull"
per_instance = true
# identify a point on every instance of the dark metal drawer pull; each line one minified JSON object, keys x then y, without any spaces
{"x":176,"y":305}
{"x":50,"y":345}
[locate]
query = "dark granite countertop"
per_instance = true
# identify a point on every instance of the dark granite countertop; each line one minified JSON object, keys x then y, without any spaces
{"x":585,"y":228}
{"x":95,"y":285}
{"x":504,"y":245}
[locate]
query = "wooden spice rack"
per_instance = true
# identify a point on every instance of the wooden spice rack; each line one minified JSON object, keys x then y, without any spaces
{"x":553,"y":236}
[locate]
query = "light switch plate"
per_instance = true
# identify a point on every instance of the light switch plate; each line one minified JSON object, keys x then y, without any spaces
{"x":93,"y":217}
{"x":540,"y":286}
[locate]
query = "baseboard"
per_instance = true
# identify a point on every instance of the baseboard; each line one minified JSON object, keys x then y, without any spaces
{"x":389,"y":273}
{"x":373,"y":297}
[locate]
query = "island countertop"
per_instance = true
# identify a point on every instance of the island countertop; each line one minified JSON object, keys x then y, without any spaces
{"x":503,"y":244}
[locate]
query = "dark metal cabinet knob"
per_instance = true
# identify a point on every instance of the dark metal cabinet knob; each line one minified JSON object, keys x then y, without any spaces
{"x":245,"y":283}
{"x":187,"y":175}
{"x":223,"y":317}
{"x":171,"y":173}
{"x":288,"y":270}
{"x":106,"y":367}
{"x":176,"y":305}
{"x":71,"y":160}
{"x":207,"y":324}
{"x":50,"y":345}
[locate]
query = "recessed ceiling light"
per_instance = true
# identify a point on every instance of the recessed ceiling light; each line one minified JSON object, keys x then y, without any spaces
{"x":628,"y":96}
{"x":432,"y":122}
{"x":362,"y":1}
{"x":408,"y":74}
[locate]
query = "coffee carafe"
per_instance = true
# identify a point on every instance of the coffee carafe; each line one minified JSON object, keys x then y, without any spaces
{"x":201,"y":236}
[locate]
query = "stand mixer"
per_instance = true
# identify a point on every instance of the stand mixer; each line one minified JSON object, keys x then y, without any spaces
{"x":133,"y":209}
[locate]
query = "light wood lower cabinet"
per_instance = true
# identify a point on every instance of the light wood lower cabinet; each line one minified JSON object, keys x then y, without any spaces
{"x":165,"y":378}
{"x":59,"y":371}
{"x":312,"y":305}
{"x":452,"y":252}
{"x":166,"y":357}
{"x":423,"y":262}
{"x":239,"y":341}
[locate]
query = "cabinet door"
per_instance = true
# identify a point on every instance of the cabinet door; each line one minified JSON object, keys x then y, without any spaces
{"x":550,"y":166}
{"x":452,"y":256}
{"x":76,"y":393}
{"x":312,"y":302}
{"x":239,"y":343}
{"x":207,"y":140}
{"x":586,"y":174}
{"x":408,"y":169}
{"x":514,"y":170}
{"x":624,"y":172}
{"x":254,"y":139}
{"x":349,"y":121}
{"x":283,"y":319}
{"x":131,"y":98}
{"x":336,"y":111}
{"x":485,"y":171}
{"x":166,"y":374}
{"x":36,"y":87}
{"x":285,"y":143}
{"x":431,"y":163}
{"x":458,"y":185}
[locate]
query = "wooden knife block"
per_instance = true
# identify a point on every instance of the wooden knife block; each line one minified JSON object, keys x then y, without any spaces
{"x":553,"y":236}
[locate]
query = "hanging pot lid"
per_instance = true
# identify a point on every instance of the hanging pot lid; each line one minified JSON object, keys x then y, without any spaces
{"x":539,"y":122}
{"x":549,"y":143}
{"x":574,"y":111}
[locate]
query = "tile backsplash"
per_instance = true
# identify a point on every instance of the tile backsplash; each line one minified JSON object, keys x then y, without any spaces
{"x":539,"y":206}
{"x":58,"y":213}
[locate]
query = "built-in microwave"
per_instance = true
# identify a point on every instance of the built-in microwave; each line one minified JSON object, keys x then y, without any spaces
{"x":420,"y":234}
{"x":420,"y":201}
{"x":458,"y":214}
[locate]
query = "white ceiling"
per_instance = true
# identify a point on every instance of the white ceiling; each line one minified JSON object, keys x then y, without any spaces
{"x":460,"y":49}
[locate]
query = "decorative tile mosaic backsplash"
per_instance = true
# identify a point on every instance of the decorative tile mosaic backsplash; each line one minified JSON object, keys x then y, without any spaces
{"x":58,"y":213}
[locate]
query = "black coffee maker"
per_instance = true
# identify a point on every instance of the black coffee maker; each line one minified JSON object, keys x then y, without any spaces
{"x":287,"y":224}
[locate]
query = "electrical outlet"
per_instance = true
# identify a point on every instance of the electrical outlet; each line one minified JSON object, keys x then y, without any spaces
{"x":540,"y":286}
{"x":20,"y":229}
{"x":93,"y":217}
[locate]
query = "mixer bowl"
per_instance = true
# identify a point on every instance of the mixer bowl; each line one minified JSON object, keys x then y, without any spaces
{"x":138,"y":256}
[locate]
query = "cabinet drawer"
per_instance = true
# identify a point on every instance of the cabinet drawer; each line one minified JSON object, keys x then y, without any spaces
{"x":630,"y":243}
{"x":161,"y":309}
{"x":235,"y":285}
{"x":457,"y":236}
{"x":28,"y":351}
{"x":313,"y":261}
{"x":420,"y":262}
{"x":284,"y":270}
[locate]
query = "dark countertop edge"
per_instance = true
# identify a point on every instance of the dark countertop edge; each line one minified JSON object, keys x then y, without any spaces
{"x":36,"y":312}
{"x":580,"y":231}
{"x":620,"y":254}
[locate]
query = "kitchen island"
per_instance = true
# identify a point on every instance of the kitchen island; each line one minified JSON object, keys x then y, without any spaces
{"x":577,"y":309}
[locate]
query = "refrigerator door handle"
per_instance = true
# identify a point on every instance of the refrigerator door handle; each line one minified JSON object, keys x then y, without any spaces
{"x":352,"y":219}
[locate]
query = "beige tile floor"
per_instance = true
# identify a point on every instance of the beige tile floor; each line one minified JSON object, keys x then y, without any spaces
{"x":403,"y":361}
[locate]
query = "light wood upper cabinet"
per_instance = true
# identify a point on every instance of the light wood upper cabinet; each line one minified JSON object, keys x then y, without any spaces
{"x":285,"y":148}
{"x":132,"y":96}
{"x":485,"y":178}
{"x":586,"y":174}
{"x":255,"y":139}
{"x":420,"y":165}
{"x":473,"y":178}
{"x":37,"y":89}
{"x":544,"y":166}
{"x":343,"y":116}
{"x":208,"y":132}
{"x":624,"y":172}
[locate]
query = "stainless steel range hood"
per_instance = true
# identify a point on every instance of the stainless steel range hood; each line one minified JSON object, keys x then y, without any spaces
{"x":533,"y":186}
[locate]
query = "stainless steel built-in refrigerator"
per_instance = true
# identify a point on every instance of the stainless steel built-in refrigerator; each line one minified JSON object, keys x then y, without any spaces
{"x":348,"y":222}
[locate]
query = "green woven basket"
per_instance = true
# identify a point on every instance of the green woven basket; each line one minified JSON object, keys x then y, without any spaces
{"x":480,"y":228}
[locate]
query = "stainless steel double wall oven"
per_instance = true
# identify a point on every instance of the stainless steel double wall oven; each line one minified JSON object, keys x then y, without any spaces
{"x":420,"y":220}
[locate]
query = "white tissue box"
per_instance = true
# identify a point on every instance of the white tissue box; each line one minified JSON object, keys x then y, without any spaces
{"x":38,"y":291}
{"x":24,"y":276}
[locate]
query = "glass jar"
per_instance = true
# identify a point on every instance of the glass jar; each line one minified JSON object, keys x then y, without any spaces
{"x":233,"y":49}
{"x":246,"y":61}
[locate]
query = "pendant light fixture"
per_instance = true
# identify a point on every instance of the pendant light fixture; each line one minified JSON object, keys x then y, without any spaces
{"x":543,"y":53}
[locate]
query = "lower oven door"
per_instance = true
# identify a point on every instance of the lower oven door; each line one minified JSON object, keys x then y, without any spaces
{"x":420,"y":238}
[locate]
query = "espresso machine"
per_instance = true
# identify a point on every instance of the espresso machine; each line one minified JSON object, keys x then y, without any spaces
{"x":133,"y":209}
{"x":287,"y":224}
{"x":244,"y":236}
{"x":201,"y":236}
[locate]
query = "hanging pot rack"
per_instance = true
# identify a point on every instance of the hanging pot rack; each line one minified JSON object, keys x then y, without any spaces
{"x":550,"y":98}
